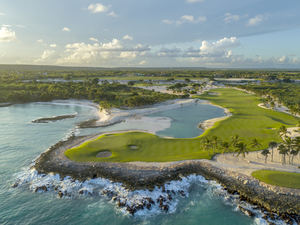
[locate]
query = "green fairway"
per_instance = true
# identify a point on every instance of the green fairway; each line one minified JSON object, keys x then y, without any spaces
{"x":248,"y":121}
{"x":278,"y":178}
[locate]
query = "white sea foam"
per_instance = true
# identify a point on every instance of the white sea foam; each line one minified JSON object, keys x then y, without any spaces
{"x":140,"y":201}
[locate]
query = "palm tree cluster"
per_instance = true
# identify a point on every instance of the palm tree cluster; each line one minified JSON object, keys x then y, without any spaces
{"x":235,"y":145}
{"x":289,"y":147}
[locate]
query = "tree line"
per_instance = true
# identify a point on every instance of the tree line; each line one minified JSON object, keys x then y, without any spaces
{"x":108,"y":95}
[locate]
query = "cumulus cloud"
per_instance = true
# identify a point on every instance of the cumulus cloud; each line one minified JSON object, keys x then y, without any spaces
{"x":186,"y":19}
{"x":127,"y":37}
{"x":254,"y":21}
{"x":112,"y":14}
{"x":46,"y":55}
{"x":97,"y":8}
{"x":94,"y":39}
{"x":53,"y":45}
{"x":229,"y":18}
{"x":219,"y":47}
{"x":84,"y":53}
{"x":7,"y":34}
{"x":208,"y":52}
{"x":143,"y":62}
{"x":66,"y":29}
{"x":166,"y":21}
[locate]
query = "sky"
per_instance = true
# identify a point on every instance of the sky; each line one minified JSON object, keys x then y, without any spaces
{"x":151,"y":33}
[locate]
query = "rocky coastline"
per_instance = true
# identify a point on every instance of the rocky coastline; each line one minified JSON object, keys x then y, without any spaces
{"x":53,"y":119}
{"x":283,"y":202}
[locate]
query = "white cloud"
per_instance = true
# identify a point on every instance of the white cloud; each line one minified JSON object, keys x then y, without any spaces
{"x":143,"y":62}
{"x":194,"y":1}
{"x":53,"y":45}
{"x":2,"y":14}
{"x":255,"y":20}
{"x":128,"y":55}
{"x":186,"y":19}
{"x":166,"y":21}
{"x":229,"y":18}
{"x":66,"y":29}
{"x":97,"y":8}
{"x":113,"y":45}
{"x":45,"y":56}
{"x":112,"y":14}
{"x":191,"y":19}
{"x":7,"y":34}
{"x":217,"y":51}
{"x":40,"y":41}
{"x":128,"y":37}
{"x":94,"y":39}
{"x":84,"y":53}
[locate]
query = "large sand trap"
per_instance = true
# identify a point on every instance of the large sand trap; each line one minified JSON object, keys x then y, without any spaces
{"x":104,"y":154}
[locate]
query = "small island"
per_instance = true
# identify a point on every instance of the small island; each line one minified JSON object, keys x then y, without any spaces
{"x":53,"y":119}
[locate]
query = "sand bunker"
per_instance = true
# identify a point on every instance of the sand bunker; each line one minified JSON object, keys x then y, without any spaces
{"x":104,"y":154}
{"x":133,"y":147}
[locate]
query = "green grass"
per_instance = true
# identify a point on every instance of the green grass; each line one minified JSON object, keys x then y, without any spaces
{"x":248,"y":121}
{"x":278,"y":178}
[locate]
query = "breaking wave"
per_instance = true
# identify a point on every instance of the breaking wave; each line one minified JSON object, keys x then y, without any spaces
{"x":139,"y":203}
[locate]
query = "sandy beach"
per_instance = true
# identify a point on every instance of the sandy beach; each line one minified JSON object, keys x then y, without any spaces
{"x":210,"y":123}
{"x":117,"y":115}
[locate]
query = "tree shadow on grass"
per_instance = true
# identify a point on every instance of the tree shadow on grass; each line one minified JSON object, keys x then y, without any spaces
{"x":279,"y":120}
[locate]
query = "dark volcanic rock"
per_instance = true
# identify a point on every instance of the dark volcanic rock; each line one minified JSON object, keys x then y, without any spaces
{"x":281,"y":201}
{"x":247,"y":211}
{"x":53,"y":119}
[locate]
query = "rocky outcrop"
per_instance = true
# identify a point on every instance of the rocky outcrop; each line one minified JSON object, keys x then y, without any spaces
{"x":53,"y":119}
{"x":282,"y":201}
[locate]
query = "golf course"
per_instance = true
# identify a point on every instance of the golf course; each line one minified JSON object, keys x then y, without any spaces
{"x":248,"y":121}
{"x":278,"y":178}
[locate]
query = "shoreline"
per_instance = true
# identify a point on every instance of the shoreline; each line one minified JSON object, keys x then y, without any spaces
{"x":282,"y":109}
{"x":142,"y":175}
{"x":106,"y":118}
{"x":207,"y":124}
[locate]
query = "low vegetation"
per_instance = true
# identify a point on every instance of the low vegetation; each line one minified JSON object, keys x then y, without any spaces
{"x":278,"y":178}
{"x":282,"y":93}
{"x":106,"y":94}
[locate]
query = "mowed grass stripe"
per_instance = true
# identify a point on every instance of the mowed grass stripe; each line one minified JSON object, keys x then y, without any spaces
{"x":278,"y":178}
{"x":248,"y":121}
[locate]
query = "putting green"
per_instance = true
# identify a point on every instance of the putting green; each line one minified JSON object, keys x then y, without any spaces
{"x":278,"y":178}
{"x":248,"y":121}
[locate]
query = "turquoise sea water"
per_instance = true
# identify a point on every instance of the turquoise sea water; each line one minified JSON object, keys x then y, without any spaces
{"x":22,"y":141}
{"x":185,"y":120}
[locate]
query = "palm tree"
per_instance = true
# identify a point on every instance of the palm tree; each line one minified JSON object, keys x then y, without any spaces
{"x":225,"y":146}
{"x":255,"y":144}
{"x":283,"y":150}
{"x":265,"y":153}
{"x":294,"y":153}
{"x":215,"y":143}
{"x":288,"y":143}
{"x":235,"y":140}
{"x":272,"y":145}
{"x":283,"y":131}
{"x":296,"y":147}
{"x":206,"y":143}
{"x":241,"y":148}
